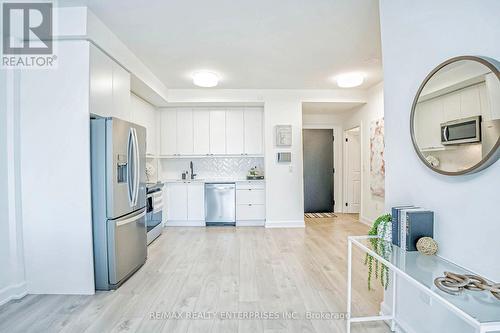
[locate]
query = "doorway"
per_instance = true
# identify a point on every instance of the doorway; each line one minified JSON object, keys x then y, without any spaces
{"x":318,"y":170}
{"x":352,"y":169}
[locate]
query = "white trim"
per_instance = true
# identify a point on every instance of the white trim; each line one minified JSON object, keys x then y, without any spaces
{"x":15,"y":291}
{"x":285,"y":224}
{"x":365,"y":220}
{"x":185,"y":224}
{"x":251,"y":223}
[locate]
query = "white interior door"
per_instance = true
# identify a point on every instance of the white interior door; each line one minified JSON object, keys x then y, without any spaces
{"x":353,"y":158}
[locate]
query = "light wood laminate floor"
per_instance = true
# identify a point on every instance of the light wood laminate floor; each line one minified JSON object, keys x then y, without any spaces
{"x":204,"y":271}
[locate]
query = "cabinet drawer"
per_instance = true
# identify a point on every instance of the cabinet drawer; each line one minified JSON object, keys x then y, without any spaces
{"x":250,"y":196}
{"x":250,"y":185}
{"x":250,"y":212}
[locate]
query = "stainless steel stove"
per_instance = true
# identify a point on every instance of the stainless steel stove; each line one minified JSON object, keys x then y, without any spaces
{"x":154,"y":211}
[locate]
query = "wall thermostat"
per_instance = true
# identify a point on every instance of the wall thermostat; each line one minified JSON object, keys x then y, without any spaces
{"x":284,"y":157}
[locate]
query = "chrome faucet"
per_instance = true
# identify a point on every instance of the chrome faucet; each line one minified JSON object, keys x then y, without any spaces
{"x":192,"y":171}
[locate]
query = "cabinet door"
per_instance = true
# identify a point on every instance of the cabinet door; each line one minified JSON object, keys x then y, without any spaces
{"x":451,"y":106}
{"x":217,"y":132}
{"x":168,"y":132}
{"x":185,"y":132}
{"x":196,"y":201}
{"x":470,"y":104}
{"x":254,"y":132}
{"x":201,"y":132}
{"x":234,"y":132}
{"x":121,"y":92}
{"x":101,"y":83}
{"x":177,"y":202}
{"x":144,"y":114}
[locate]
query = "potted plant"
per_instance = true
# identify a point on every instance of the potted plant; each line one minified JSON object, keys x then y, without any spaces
{"x":382,"y":246}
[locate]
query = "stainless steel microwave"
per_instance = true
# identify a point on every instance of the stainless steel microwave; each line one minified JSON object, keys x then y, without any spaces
{"x":466,"y":130}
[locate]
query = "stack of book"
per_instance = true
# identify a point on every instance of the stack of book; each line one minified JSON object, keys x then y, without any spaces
{"x":409,"y":224}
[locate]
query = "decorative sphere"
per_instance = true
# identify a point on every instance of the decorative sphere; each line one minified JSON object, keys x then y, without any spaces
{"x":427,"y":246}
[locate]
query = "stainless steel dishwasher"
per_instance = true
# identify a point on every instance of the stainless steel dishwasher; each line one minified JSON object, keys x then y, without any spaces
{"x":220,"y":204}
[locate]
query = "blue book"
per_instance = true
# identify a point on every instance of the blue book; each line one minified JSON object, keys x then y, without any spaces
{"x":396,"y":224}
{"x":418,"y":224}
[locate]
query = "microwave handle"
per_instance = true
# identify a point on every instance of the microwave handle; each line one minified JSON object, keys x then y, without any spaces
{"x":445,"y":133}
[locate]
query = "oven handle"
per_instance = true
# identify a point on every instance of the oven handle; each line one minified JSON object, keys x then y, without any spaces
{"x":445,"y":133}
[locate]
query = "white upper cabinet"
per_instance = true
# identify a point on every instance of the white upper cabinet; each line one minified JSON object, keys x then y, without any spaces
{"x":168,"y":133}
{"x":185,"y":132}
{"x":217,"y":132}
{"x":253,"y":121}
{"x":234,"y":132}
{"x":451,"y":106}
{"x":144,"y":114}
{"x":201,"y":132}
{"x":121,"y":92}
{"x":109,"y":87}
{"x":101,"y":83}
{"x":470,"y":104}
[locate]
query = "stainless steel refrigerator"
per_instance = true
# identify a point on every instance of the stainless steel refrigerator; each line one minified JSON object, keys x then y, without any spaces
{"x":118,"y":158}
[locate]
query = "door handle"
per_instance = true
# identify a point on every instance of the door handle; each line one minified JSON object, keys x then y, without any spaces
{"x":130,"y":219}
{"x":136,"y":167}
{"x":130,"y":144}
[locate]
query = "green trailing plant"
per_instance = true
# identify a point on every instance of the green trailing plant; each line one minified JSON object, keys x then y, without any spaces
{"x":379,"y":246}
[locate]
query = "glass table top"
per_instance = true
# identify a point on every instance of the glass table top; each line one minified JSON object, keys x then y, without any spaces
{"x":480,"y":305}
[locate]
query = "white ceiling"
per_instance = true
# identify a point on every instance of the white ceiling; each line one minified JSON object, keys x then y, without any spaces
{"x":330,"y":108}
{"x":263,"y":44}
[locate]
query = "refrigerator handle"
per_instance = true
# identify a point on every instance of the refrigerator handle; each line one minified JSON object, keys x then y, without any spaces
{"x":136,"y":167}
{"x":130,"y":144}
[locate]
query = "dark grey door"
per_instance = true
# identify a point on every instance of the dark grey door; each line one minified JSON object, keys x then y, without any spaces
{"x":318,"y":170}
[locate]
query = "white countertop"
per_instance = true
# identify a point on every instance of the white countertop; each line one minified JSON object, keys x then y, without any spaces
{"x":211,"y":180}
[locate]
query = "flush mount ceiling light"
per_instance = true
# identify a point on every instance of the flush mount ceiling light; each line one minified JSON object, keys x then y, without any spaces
{"x":350,"y":80}
{"x":205,"y":79}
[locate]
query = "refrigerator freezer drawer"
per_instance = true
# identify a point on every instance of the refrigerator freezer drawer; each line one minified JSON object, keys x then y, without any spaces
{"x":126,"y":245}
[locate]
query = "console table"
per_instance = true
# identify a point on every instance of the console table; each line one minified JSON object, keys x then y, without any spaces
{"x":478,"y":308}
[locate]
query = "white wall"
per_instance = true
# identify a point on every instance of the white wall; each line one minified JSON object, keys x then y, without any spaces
{"x":12,"y":279}
{"x":371,"y":206}
{"x":284,"y":186}
{"x":55,"y":171}
{"x":417,"y":36}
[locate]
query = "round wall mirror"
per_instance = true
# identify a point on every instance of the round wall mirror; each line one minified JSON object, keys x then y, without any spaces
{"x":455,"y":117}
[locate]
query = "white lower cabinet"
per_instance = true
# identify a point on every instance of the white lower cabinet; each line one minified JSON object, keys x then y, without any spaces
{"x":196,"y":201}
{"x":250,"y":204}
{"x":185,"y":202}
{"x":177,"y":202}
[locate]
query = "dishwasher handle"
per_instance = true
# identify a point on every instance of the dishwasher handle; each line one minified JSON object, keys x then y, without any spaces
{"x":220,"y":187}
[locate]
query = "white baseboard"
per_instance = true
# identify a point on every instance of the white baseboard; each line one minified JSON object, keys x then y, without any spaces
{"x":285,"y":224}
{"x":185,"y":224}
{"x":254,"y":223}
{"x":365,"y":220}
{"x":16,"y":291}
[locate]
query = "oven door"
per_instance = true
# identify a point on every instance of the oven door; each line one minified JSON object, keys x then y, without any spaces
{"x":460,"y":131}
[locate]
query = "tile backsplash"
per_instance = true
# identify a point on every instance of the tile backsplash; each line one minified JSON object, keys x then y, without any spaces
{"x":214,"y":167}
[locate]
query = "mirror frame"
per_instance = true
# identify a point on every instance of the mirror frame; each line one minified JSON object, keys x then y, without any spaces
{"x":493,"y":155}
